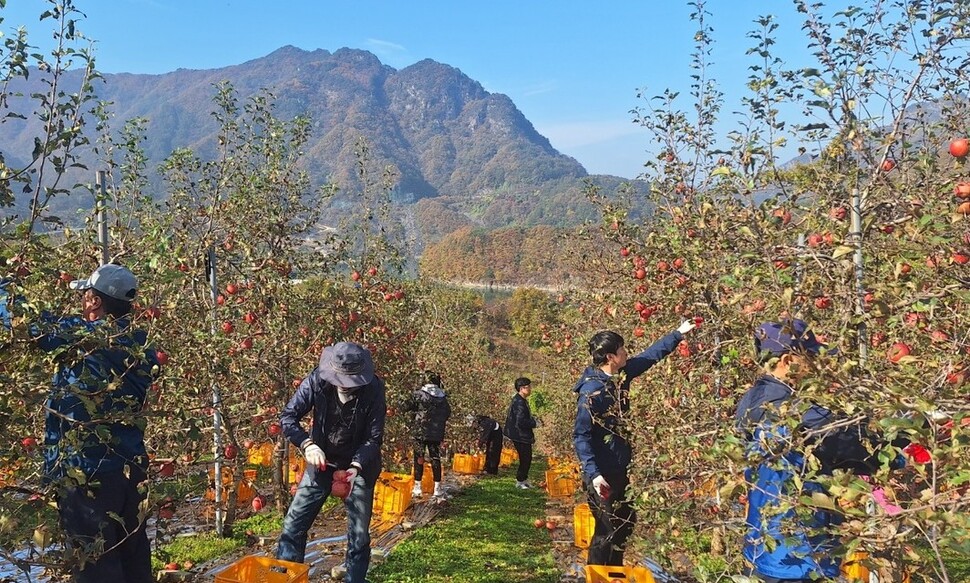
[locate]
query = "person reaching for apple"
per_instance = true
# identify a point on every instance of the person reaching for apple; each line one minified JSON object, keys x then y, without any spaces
{"x":600,"y":440}
{"x":782,"y":431}
{"x":94,"y":441}
{"x":343,"y":450}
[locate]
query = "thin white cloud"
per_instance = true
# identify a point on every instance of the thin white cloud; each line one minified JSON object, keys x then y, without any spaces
{"x":383,"y":47}
{"x":578,"y":134}
{"x":540,"y":88}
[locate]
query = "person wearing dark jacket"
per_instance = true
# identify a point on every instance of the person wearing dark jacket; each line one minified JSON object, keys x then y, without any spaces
{"x":94,"y":448}
{"x":348,"y":407}
{"x":600,"y":440}
{"x":431,"y":410}
{"x":519,"y":426}
{"x":490,"y":441}
{"x":781,"y":545}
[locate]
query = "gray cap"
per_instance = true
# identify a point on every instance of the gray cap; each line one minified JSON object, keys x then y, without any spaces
{"x":112,"y":280}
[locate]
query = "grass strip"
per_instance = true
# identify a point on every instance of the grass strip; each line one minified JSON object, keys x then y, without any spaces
{"x":486,"y":535}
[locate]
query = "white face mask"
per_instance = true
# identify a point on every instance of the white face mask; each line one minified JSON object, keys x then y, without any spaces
{"x":346,"y":393}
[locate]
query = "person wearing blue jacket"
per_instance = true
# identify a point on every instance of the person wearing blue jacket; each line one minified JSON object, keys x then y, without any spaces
{"x":780,"y":545}
{"x":600,"y":439}
{"x":94,"y":448}
{"x":348,"y":406}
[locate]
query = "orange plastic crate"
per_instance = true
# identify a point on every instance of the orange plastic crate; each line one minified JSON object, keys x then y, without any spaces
{"x":609,"y":574}
{"x":296,"y":467}
{"x":559,"y":484}
{"x":256,"y":569}
{"x":261,"y":455}
{"x":427,"y":479}
{"x":508,"y":456}
{"x":392,"y":495}
{"x":463,"y":463}
{"x":478,"y":462}
{"x":855,"y":571}
{"x":583,"y":525}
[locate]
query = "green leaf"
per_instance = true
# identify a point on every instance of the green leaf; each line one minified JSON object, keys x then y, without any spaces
{"x":841,"y":251}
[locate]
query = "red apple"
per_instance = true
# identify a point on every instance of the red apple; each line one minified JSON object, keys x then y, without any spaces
{"x":550,"y":525}
{"x":166,"y":512}
{"x":640,"y":273}
{"x":355,"y":275}
{"x":250,"y":317}
{"x":662,"y":265}
{"x":638,"y":332}
{"x":259,"y":502}
{"x":171,"y":566}
{"x":167,"y":469}
{"x":232,"y":288}
{"x":960,"y":258}
{"x":679,"y":263}
{"x":230,"y":451}
{"x":539,"y":523}
{"x":823,"y":302}
{"x":372,"y":271}
{"x":340,"y":476}
{"x":838,"y":213}
{"x":962,"y":190}
{"x":248,"y":443}
{"x":183,"y":267}
{"x":897,"y":351}
{"x":888,"y":164}
{"x":246,"y":343}
{"x":340,"y":489}
{"x":959,"y":148}
{"x":814,"y":240}
{"x":227,"y":327}
{"x":153,"y":313}
{"x":274,"y":429}
{"x":221,"y":299}
{"x":624,"y":252}
{"x":698,"y":320}
{"x":162,"y":357}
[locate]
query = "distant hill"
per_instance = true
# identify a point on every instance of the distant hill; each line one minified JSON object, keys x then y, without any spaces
{"x":469,"y":153}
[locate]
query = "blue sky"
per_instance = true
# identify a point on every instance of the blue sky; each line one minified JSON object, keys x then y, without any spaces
{"x":572,"y":67}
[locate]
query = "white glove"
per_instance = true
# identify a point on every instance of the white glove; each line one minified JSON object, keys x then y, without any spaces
{"x":352,"y":472}
{"x":315,"y":456}
{"x":686,"y":326}
{"x":601,"y":486}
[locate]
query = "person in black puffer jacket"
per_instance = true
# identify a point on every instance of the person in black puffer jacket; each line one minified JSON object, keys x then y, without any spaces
{"x":431,"y":412}
{"x":519,"y":425}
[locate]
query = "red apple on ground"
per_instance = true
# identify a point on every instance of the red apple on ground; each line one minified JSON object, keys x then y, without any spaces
{"x":246,"y":343}
{"x":29,"y":442}
{"x":259,"y":502}
{"x":227,"y":327}
{"x":162,"y":357}
{"x":539,"y":523}
{"x":897,"y":351}
{"x":372,"y":271}
{"x":550,"y":525}
{"x":250,"y":318}
{"x":355,"y":276}
{"x":232,"y":288}
{"x":171,"y":566}
{"x":167,"y":469}
{"x":230,"y":452}
{"x":274,"y":429}
{"x":962,"y":190}
{"x":624,"y":252}
{"x":888,"y":165}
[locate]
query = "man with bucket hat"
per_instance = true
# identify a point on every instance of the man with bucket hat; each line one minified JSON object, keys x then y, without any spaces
{"x":94,"y":449}
{"x":348,"y":409}
{"x":782,"y":545}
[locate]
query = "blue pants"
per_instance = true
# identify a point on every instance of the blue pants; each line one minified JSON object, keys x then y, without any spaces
{"x":103,"y":531}
{"x":311,"y":493}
